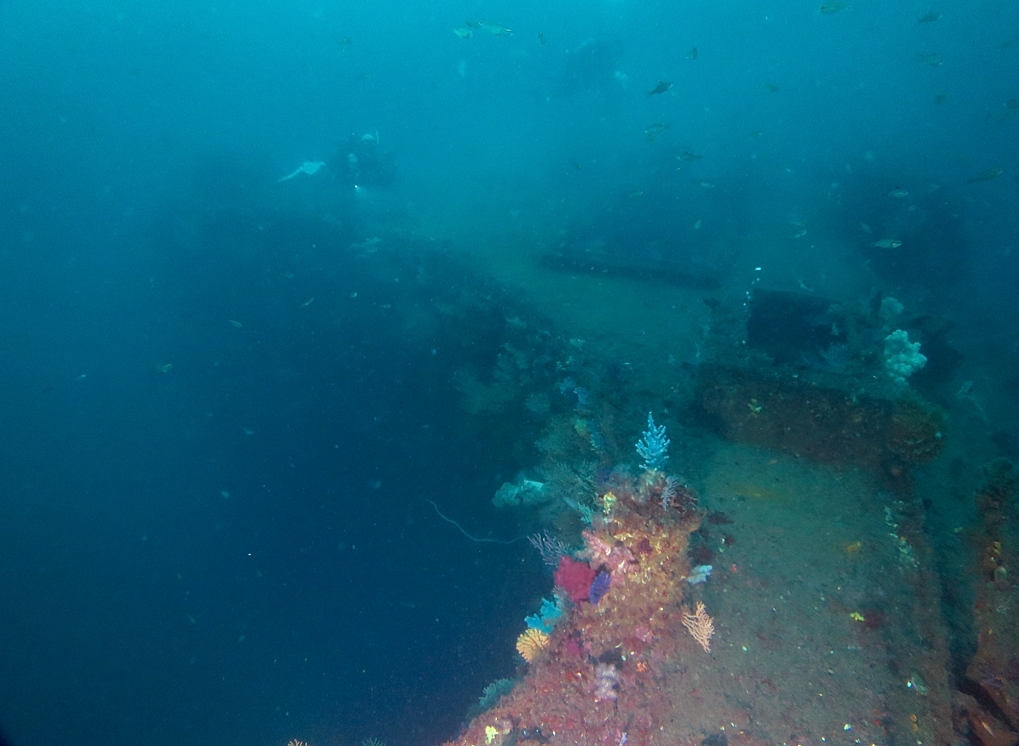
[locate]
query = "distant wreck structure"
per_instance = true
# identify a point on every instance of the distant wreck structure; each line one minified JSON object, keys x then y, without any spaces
{"x":818,"y":378}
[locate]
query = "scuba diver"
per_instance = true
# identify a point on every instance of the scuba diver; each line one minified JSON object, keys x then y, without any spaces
{"x":362,"y":162}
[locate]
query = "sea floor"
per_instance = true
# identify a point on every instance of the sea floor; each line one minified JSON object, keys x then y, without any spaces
{"x":812,"y":593}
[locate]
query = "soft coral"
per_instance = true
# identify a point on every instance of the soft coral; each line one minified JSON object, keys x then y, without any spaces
{"x":575,"y":578}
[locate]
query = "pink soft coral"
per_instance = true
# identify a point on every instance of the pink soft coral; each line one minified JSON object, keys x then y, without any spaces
{"x":575,"y":578}
{"x":616,"y":557}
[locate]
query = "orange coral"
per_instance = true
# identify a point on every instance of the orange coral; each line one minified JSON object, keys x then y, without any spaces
{"x":701,"y":626}
{"x":531,"y":643}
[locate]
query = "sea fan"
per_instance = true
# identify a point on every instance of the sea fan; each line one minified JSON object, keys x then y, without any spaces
{"x":531,"y":643}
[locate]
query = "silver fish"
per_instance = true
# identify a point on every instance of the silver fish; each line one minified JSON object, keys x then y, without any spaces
{"x":662,"y":87}
{"x":652,"y":130}
{"x":495,"y":29}
{"x":834,"y":6}
{"x":887,"y":243}
{"x":985,"y":175}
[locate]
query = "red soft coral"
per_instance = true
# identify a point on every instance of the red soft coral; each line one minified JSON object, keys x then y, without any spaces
{"x":575,"y":578}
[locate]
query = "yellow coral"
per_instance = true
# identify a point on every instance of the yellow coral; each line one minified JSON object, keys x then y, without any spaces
{"x":701,"y":626}
{"x":531,"y":643}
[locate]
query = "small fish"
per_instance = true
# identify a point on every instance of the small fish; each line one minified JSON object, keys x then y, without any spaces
{"x":834,"y":6}
{"x":940,"y":98}
{"x":985,"y":175}
{"x":542,"y":39}
{"x":898,"y":194}
{"x":800,"y":234}
{"x":692,"y":54}
{"x":771,"y":88}
{"x":931,"y":59}
{"x":233,"y":322}
{"x":865,"y":228}
{"x":887,"y":243}
{"x":463,"y":33}
{"x":308,"y":302}
{"x":346,"y":41}
{"x":471,"y":23}
{"x":495,"y":29}
{"x":688,"y":156}
{"x":755,"y":135}
{"x":929,"y":18}
{"x":662,"y":87}
{"x":164,"y":368}
{"x":705,"y":184}
{"x":697,"y":225}
{"x":653,"y":130}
